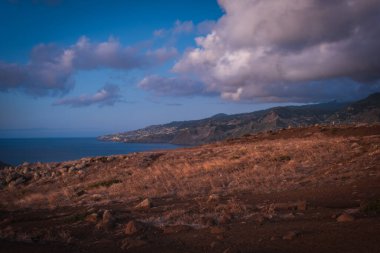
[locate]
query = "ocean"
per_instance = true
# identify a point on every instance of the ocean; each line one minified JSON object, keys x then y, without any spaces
{"x":17,"y":151}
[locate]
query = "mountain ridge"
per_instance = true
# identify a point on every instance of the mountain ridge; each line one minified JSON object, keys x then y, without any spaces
{"x":223,"y":126}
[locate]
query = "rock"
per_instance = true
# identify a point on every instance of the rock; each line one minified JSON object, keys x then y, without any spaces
{"x":132,"y":228}
{"x":345,"y":217}
{"x":301,"y":206}
{"x":213,"y":198}
{"x":36,"y":175}
{"x":96,"y":197}
{"x":19,"y":181}
{"x":108,"y":221}
{"x":25,"y":164}
{"x":290,"y":235}
{"x":80,"y":192}
{"x":72,"y":169}
{"x":62,"y":170}
{"x":288,"y":216}
{"x":227,"y":251}
{"x":145,"y":204}
{"x":217,"y":230}
{"x":225,"y":218}
{"x":11,"y":177}
{"x":26,"y":170}
{"x":80,"y":166}
{"x":93,"y":218}
{"x":213,"y":244}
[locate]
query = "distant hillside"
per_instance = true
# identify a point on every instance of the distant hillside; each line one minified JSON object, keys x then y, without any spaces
{"x":366,"y":111}
{"x":223,"y":126}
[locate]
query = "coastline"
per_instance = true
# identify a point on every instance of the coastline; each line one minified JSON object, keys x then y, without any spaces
{"x":16,"y":151}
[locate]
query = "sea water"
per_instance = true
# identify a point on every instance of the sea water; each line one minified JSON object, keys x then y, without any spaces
{"x":17,"y":151}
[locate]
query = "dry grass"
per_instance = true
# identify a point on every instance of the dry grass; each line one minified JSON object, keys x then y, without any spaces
{"x":257,"y":166}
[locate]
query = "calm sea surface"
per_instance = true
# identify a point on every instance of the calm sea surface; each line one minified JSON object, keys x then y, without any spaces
{"x":17,"y":151}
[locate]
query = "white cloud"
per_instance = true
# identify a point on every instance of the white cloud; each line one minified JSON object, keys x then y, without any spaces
{"x":268,"y":49}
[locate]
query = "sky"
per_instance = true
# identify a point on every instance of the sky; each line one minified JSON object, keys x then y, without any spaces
{"x":86,"y":68}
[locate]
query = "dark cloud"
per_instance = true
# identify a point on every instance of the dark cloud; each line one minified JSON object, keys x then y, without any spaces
{"x":106,"y":96}
{"x":50,"y":68}
{"x":289,"y":50}
{"x":172,"y":86}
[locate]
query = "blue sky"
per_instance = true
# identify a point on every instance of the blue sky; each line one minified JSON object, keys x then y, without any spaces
{"x":86,"y":68}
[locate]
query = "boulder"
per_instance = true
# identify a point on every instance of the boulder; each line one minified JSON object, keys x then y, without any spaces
{"x":132,"y":228}
{"x":93,"y":218}
{"x":108,"y":221}
{"x":145,"y":204}
{"x":345,"y":217}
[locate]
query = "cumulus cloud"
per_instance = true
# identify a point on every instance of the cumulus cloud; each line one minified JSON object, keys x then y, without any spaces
{"x":106,"y":96}
{"x":50,"y":68}
{"x":306,"y":50}
{"x":172,"y":86}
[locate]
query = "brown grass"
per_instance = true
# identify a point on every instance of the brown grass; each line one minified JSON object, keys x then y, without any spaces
{"x":251,"y":164}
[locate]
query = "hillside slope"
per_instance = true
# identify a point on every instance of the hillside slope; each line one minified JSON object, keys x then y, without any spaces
{"x":313,"y":189}
{"x":222,"y":126}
